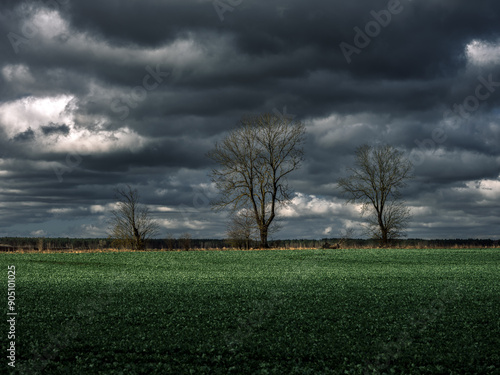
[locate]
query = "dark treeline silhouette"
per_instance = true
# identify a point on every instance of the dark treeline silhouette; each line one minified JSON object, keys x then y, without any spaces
{"x":59,"y":243}
{"x":174,"y":244}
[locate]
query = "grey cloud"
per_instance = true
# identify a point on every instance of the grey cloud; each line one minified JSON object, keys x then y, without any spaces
{"x":52,"y":129}
{"x":25,"y":136}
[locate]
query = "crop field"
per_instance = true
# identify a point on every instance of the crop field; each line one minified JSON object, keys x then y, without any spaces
{"x":256,"y":312}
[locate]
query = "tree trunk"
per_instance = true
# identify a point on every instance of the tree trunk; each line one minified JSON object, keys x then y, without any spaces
{"x":385,"y":239}
{"x":383,"y":230}
{"x":137,"y":238}
{"x":263,"y":238}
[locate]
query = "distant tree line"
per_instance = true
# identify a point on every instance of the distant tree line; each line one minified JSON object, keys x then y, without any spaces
{"x":185,"y":242}
{"x":60,"y":243}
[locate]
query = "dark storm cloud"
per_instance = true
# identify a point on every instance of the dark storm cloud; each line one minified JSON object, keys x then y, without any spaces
{"x":52,"y":129}
{"x":25,"y":136}
{"x":138,"y":92}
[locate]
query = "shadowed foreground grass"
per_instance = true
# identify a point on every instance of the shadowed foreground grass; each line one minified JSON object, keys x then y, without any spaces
{"x":257,"y":312}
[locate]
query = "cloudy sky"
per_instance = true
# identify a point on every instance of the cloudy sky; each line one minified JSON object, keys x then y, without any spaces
{"x":99,"y":94}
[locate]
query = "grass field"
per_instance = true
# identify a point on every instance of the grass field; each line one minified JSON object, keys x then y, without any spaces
{"x":257,"y":312}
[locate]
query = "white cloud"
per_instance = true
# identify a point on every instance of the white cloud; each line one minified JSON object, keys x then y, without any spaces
{"x":163,"y":209}
{"x":99,"y":208}
{"x":327,"y":230}
{"x":484,"y":190}
{"x":33,"y":113}
{"x":183,"y":224}
{"x":47,"y":24}
{"x":18,"y":74}
{"x":10,"y":191}
{"x":482,"y":53}
{"x":490,"y":189}
{"x":84,"y":141}
{"x":311,"y":205}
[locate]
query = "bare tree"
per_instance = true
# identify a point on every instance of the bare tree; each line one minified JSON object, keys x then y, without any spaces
{"x":254,"y":163}
{"x":375,"y":182}
{"x":185,"y":241}
{"x":170,"y":242}
{"x":242,"y":229}
{"x":131,"y":222}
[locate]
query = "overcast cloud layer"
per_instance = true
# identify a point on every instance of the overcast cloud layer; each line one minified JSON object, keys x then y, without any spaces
{"x":98,"y":94}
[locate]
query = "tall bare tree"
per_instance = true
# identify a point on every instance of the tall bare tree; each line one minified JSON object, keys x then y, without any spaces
{"x":375,"y":182}
{"x":254,"y":163}
{"x":131,"y":222}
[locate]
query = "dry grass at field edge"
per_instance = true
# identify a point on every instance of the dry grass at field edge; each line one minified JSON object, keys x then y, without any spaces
{"x":114,"y":250}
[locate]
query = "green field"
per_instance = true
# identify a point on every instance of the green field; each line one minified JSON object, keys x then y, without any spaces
{"x":257,"y":312}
